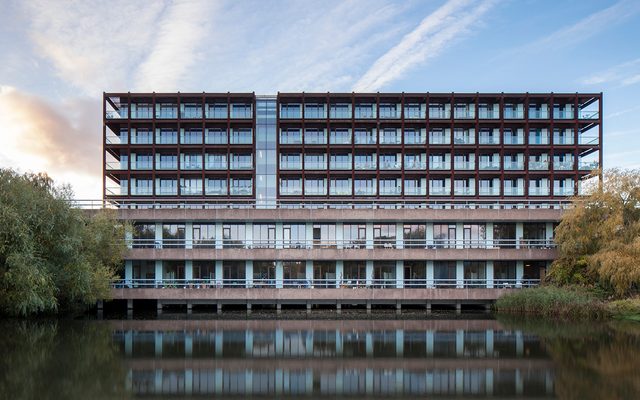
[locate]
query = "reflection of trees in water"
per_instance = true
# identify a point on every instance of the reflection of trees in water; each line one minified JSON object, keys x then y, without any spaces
{"x":594,"y":360}
{"x":59,"y":359}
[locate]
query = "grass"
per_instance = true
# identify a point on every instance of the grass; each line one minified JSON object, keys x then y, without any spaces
{"x":551,"y":301}
{"x":627,"y":309}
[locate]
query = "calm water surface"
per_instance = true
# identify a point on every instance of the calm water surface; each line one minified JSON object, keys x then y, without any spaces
{"x":349,"y":358}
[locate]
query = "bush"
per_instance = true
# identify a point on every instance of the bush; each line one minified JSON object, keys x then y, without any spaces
{"x":551,"y":301}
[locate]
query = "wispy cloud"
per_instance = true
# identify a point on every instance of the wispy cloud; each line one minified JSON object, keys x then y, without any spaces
{"x":434,"y":34}
{"x":180,"y":33}
{"x":624,"y":74}
{"x":581,"y":30}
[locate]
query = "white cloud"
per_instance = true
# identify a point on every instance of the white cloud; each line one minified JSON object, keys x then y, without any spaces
{"x":434,"y":34}
{"x":177,"y":38}
{"x":624,"y":74}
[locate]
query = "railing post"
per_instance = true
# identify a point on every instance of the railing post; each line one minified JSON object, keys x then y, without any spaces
{"x":399,"y":274}
{"x":459,"y":274}
{"x":430,"y":282}
{"x":489,"y":274}
{"x":158,"y":275}
{"x":248,"y":273}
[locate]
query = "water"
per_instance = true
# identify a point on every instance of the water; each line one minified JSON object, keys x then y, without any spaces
{"x":349,"y":358}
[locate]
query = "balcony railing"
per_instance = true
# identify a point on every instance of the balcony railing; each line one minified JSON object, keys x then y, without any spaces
{"x":340,"y":165}
{"x":344,"y":283}
{"x":588,"y":165}
{"x":586,"y":114}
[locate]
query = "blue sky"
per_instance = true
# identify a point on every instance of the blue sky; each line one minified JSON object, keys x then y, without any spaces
{"x":58,"y":58}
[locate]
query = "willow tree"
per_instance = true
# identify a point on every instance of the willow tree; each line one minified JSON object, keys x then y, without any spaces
{"x":52,"y":257}
{"x":599,"y":237}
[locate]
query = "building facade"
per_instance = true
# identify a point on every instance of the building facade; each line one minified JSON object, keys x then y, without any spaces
{"x":379,"y":191}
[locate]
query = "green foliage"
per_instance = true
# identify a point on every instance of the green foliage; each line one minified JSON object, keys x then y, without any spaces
{"x":551,"y":301}
{"x":52,"y":257}
{"x":599,"y":238}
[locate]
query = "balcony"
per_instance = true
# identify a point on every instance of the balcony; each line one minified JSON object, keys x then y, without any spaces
{"x":365,"y":112}
{"x":366,"y":191}
{"x":588,"y":165}
{"x":588,"y":114}
{"x":166,"y":165}
{"x":116,"y":165}
{"x":360,"y":138}
{"x":489,"y":165}
{"x":340,"y":138}
{"x":390,"y":190}
{"x":415,"y":191}
{"x":563,"y":165}
{"x":464,"y":113}
{"x":489,"y":191}
{"x":315,"y":138}
{"x":563,"y":114}
{"x":464,"y":166}
{"x":512,"y":191}
{"x":463,"y":139}
{"x":439,"y":113}
{"x":414,"y":139}
{"x":439,"y":191}
{"x":141,"y":165}
{"x":241,"y":111}
{"x":241,"y":138}
{"x":538,"y":165}
{"x":191,"y":112}
{"x":166,"y":111}
{"x":390,"y":165}
{"x":190,"y":191}
{"x":191,"y":165}
{"x":217,"y":111}
{"x":390,"y":138}
{"x":315,"y":165}
{"x":216,"y":165}
{"x":365,"y":165}
{"x":513,"y":113}
{"x":538,"y":191}
{"x":215,"y":191}
{"x":241,"y":190}
{"x":464,"y":191}
{"x":439,"y":165}
{"x":141,"y":191}
{"x":513,"y":166}
{"x":558,"y":191}
{"x":340,"y":191}
{"x":488,"y":140}
{"x":167,"y":191}
{"x":288,"y":191}
{"x":291,"y":139}
{"x":538,"y":114}
{"x":315,"y":191}
{"x":241,"y":165}
{"x":341,"y":165}
{"x":291,"y":165}
{"x":488,"y":114}
{"x":414,"y":165}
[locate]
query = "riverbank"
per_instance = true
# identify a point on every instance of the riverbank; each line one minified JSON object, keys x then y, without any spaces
{"x":570,"y":302}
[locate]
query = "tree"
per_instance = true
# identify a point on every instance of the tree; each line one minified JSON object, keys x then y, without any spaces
{"x":599,"y":237}
{"x":52,"y":257}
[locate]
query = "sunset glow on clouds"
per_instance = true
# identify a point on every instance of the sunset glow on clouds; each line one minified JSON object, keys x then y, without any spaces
{"x":59,"y":57}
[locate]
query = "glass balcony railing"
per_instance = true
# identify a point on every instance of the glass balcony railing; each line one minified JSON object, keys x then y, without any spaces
{"x":563,"y":165}
{"x":291,"y":139}
{"x":513,"y":114}
{"x":489,"y":165}
{"x":315,"y":139}
{"x":489,"y":191}
{"x":340,"y":191}
{"x":464,"y":114}
{"x":438,"y":139}
{"x":314,"y":165}
{"x":167,"y":113}
{"x":439,"y":114}
{"x":192,"y":113}
{"x":166,"y":164}
{"x":415,"y":165}
{"x":563,"y":140}
{"x":538,"y":165}
{"x":464,"y":191}
{"x":215,"y":191}
{"x":141,"y":165}
{"x":511,"y":166}
{"x":558,"y":191}
{"x":365,"y":165}
{"x":291,"y":165}
{"x":241,"y":165}
{"x":364,"y":113}
{"x":190,"y":165}
{"x":241,"y":112}
{"x":390,"y":139}
{"x":390,"y":191}
{"x":439,"y":191}
{"x":217,"y":112}
{"x":488,"y":114}
{"x":167,"y":191}
{"x":414,"y":139}
{"x":511,"y":191}
{"x":464,"y":166}
{"x":241,"y":190}
{"x":365,"y":191}
{"x":465,"y":139}
{"x":489,"y":140}
{"x":563,"y":114}
{"x":390,"y":165}
{"x":190,"y":191}
{"x":340,"y":139}
{"x":415,"y":191}
{"x":340,"y":165}
{"x":513,"y":140}
{"x":141,"y":191}
{"x":588,"y":165}
{"x":538,"y":114}
{"x":123,"y":113}
{"x":364,"y":139}
{"x":439,"y":165}
{"x":315,"y":191}
{"x":588,"y":114}
{"x":538,"y":191}
{"x":216,"y":165}
{"x":142,"y":113}
{"x":241,"y":138}
{"x":288,"y":191}
{"x":588,"y":139}
{"x":117,"y":165}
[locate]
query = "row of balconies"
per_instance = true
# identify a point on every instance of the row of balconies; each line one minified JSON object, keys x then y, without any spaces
{"x":184,"y":111}
{"x":440,"y":110}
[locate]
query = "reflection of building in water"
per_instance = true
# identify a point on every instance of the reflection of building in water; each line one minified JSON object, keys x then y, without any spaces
{"x":337,"y":361}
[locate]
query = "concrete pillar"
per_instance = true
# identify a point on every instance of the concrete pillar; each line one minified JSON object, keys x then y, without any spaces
{"x":217,"y":381}
{"x":248,"y":381}
{"x":369,"y":272}
{"x":279,"y":235}
{"x":158,"y":243}
{"x":219,"y":235}
{"x":248,"y":273}
{"x":368,"y":305}
{"x":278,"y":307}
{"x":489,"y":274}
{"x":279,"y":275}
{"x":339,"y":236}
{"x":339,"y":272}
{"x":549,"y":234}
{"x":128,"y":237}
{"x":309,"y":272}
{"x":129,"y":304}
{"x":309,"y":234}
{"x":368,"y":338}
{"x":218,"y":273}
{"x":248,"y":308}
{"x":188,"y":235}
{"x":429,"y":234}
{"x":519,"y":272}
{"x":519,"y":233}
{"x":369,"y":232}
{"x":188,"y":270}
{"x":308,"y":307}
{"x":189,"y":306}
{"x":459,"y":274}
{"x":399,"y":274}
{"x":339,"y":307}
{"x":459,"y":235}
{"x":399,"y":235}
{"x":159,"y":273}
{"x":398,"y":307}
{"x":159,"y":307}
{"x":430,"y":275}
{"x":308,"y":344}
{"x":157,"y":382}
{"x":219,"y":307}
{"x":489,"y":235}
{"x":248,"y":235}
{"x":428,"y":307}
{"x":128,"y":271}
{"x":458,"y":308}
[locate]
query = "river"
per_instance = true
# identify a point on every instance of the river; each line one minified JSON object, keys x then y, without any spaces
{"x":443,"y":356}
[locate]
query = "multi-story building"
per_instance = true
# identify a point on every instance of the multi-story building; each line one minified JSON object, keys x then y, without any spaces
{"x":392,"y":191}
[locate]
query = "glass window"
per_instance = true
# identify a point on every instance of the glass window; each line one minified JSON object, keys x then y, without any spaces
{"x":204,"y":235}
{"x":217,"y":111}
{"x":340,"y":187}
{"x":324,"y":235}
{"x":384,"y":235}
{"x":365,"y":110}
{"x":295,"y":273}
{"x":315,"y":111}
{"x":414,"y":235}
{"x":144,"y":235}
{"x":414,"y":136}
{"x":290,"y":110}
{"x":389,"y":111}
{"x":191,"y":136}
{"x":166,"y":187}
{"x":474,"y":235}
{"x":216,"y":186}
{"x":173,"y":236}
{"x":241,"y":111}
{"x":294,"y":236}
{"x":444,"y":235}
{"x":241,"y":186}
{"x":364,"y":136}
{"x":475,"y":274}
{"x":365,"y":187}
{"x":444,"y":273}
{"x":216,"y":161}
{"x":191,"y":110}
{"x":340,"y":111}
{"x":215,"y":136}
{"x":355,"y":236}
{"x":315,"y":186}
{"x":264,"y":236}
{"x":190,"y":186}
{"x":241,"y":136}
{"x":504,"y":235}
{"x":315,"y":136}
{"x":290,"y":136}
{"x":233,"y":235}
{"x":166,"y":136}
{"x":340,"y":136}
